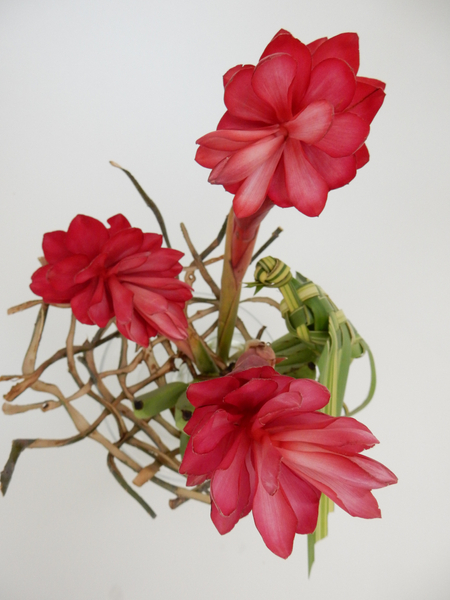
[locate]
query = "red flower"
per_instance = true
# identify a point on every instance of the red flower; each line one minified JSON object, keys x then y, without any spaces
{"x":295,"y":126}
{"x":256,"y":435}
{"x":117,"y":272}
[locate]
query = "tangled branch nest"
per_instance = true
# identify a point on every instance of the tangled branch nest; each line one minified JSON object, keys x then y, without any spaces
{"x":116,"y":395}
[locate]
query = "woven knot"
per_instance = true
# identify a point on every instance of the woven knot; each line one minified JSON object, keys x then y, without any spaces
{"x":272,"y":272}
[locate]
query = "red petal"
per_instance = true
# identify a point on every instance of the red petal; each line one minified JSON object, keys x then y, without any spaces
{"x":275,"y":521}
{"x":41,"y":287}
{"x":312,"y":46}
{"x":314,"y":395}
{"x":272,"y":80}
{"x":375,"y":82}
{"x":100,"y":310}
{"x":303,"y":498}
{"x":226,"y":484}
{"x":212,"y":391}
{"x":244,"y":162}
{"x":54,"y":246}
{"x":81,"y":302}
{"x":219,"y":425}
{"x":242,"y":102}
{"x":151,"y":242}
{"x":253,"y":191}
{"x":312,"y":123}
{"x":86,"y":236}
{"x":367,"y":107}
{"x":347,"y":133}
{"x":268,"y":460}
{"x":228,"y":121}
{"x":251,"y":394}
{"x":307,"y":190}
{"x":362,"y":156}
{"x":210,"y":158}
{"x":122,"y":299}
{"x":234,"y":139}
{"x":229,"y":74}
{"x":95,"y":269}
{"x":284,"y":42}
{"x":331,"y":80}
{"x":117,"y":223}
{"x":136,"y":330}
{"x":277,"y":191}
{"x":122,"y":244}
{"x":344,"y":46}
{"x":61,"y":275}
{"x":335,"y":171}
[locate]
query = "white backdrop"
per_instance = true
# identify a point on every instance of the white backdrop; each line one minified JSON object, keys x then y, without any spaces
{"x":138,"y":82}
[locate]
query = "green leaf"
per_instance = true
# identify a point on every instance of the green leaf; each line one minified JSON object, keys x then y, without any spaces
{"x":158,"y":400}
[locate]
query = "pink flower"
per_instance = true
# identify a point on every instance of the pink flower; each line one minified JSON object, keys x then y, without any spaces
{"x":256,"y":434}
{"x":117,"y":272}
{"x":295,"y":126}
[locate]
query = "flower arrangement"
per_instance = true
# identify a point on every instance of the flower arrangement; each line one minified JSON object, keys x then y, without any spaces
{"x":251,"y":428}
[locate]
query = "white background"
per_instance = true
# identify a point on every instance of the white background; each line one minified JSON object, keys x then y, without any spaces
{"x":138,"y":82}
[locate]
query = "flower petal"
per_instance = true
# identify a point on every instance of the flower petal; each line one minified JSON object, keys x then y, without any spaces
{"x":347,"y":133}
{"x":86,"y":236}
{"x":303,"y":498}
{"x":331,"y":80}
{"x":286,"y":43}
{"x":251,"y":394}
{"x":253,"y":191}
{"x":307,"y":190}
{"x":272,"y":80}
{"x":245,"y":161}
{"x":312,"y":123}
{"x":211,"y":391}
{"x":344,"y":46}
{"x":242,"y":102}
{"x":335,"y":171}
{"x":54,"y":246}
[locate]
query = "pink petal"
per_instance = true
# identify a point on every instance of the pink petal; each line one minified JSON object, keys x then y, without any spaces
{"x":268,"y":461}
{"x":331,"y":80}
{"x":344,"y":46}
{"x":275,"y":521}
{"x":211,"y":391}
{"x":314,"y":395}
{"x":253,"y":191}
{"x":347,"y":133}
{"x":242,"y":102}
{"x":343,"y":435}
{"x":362,"y":156}
{"x":86,"y":236}
{"x":303,"y":498}
{"x":229,"y":121}
{"x":312,"y":123}
{"x":277,"y":191}
{"x":210,"y":158}
{"x":229,"y":74}
{"x":224,"y":524}
{"x":54,"y":246}
{"x":284,"y":42}
{"x":219,"y":425}
{"x":335,"y":171}
{"x":234,"y":139}
{"x":306,"y":188}
{"x":251,"y":394}
{"x":245,"y":161}
{"x":272,"y":80}
{"x":200,"y":464}
{"x":199,"y":419}
{"x":368,"y":107}
{"x":312,"y":46}
{"x":227,"y":484}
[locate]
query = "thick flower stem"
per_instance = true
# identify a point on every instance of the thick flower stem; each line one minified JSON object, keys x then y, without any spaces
{"x":240,"y":242}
